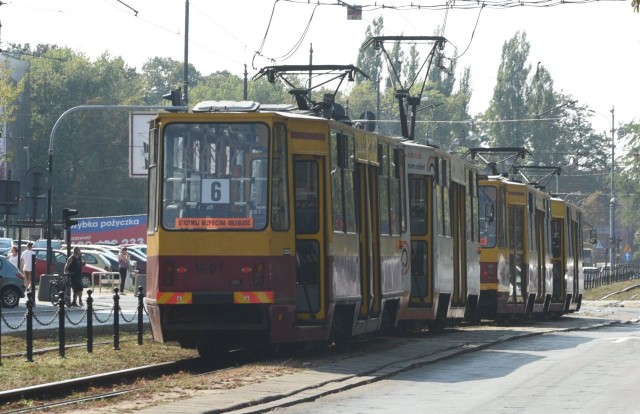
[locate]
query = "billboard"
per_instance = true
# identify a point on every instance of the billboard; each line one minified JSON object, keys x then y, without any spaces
{"x":110,"y":230}
{"x":139,"y":143}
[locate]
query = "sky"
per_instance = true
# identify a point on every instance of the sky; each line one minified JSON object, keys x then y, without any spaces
{"x":592,"y":50}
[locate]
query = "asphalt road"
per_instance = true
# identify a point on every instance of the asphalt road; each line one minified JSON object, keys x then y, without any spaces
{"x":591,"y":371}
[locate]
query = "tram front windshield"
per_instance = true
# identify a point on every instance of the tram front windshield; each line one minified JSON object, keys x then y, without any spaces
{"x":215,"y":176}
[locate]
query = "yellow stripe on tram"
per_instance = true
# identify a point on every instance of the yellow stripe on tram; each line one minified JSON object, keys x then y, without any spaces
{"x":174,"y":298}
{"x":253,"y":297}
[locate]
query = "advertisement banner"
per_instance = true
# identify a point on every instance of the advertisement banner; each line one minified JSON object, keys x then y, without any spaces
{"x":110,"y":230}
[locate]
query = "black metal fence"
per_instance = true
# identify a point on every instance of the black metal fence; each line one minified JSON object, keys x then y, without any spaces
{"x":594,"y":278}
{"x":89,"y":315}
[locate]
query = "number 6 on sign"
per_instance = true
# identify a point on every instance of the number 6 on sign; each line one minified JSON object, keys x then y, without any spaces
{"x":215,"y":191}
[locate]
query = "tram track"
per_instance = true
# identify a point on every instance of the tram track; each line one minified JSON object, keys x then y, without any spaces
{"x":65,"y":387}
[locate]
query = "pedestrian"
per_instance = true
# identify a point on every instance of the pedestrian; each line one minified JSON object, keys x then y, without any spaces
{"x":123,"y":267}
{"x":27,"y":264}
{"x":74,"y":267}
{"x":13,"y":257}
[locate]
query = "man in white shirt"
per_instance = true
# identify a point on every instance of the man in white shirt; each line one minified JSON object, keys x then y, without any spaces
{"x":27,"y":263}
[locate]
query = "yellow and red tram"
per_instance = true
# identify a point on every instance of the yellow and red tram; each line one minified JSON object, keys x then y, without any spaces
{"x":269,"y":227}
{"x":566,"y":248}
{"x":272,"y":227}
{"x":443,"y":217}
{"x":515,"y":262}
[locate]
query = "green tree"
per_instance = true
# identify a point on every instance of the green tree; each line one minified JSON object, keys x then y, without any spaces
{"x":10,"y":90}
{"x":90,"y":169}
{"x":369,"y":60}
{"x":161,"y":75}
{"x":542,"y":131}
{"x":509,"y":95}
{"x":628,"y":181}
{"x":410,"y":69}
{"x":396,"y":57}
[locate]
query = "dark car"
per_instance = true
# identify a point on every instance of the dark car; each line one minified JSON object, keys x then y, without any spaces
{"x":12,"y":285}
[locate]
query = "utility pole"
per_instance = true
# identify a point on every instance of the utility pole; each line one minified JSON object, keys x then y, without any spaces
{"x":185,"y":76}
{"x":612,"y":202}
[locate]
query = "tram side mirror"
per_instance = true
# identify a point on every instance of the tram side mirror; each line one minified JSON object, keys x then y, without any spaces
{"x":593,"y":236}
{"x":489,"y":215}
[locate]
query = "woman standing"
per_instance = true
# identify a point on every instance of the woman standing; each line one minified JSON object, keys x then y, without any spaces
{"x":123,"y":266}
{"x":74,"y":268}
{"x":13,"y":257}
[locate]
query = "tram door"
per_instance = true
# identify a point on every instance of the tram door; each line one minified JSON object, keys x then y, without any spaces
{"x":459,"y":244}
{"x":369,"y":235}
{"x":309,"y":222}
{"x":421,"y":222}
{"x":517,"y":260}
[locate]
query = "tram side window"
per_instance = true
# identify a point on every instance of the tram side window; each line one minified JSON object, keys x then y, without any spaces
{"x":152,"y":219}
{"x":279,"y":190}
{"x":342,"y":190}
{"x":487,"y":220}
{"x":516,"y":226}
{"x":556,"y":238}
{"x":531,"y":212}
{"x":472,"y":207}
{"x":446,"y":197}
{"x":418,"y":206}
{"x":383,"y":188}
{"x":501,"y":217}
{"x":570,"y":233}
{"x":306,"y":195}
{"x":438,"y":201}
{"x":394,"y":193}
{"x":349,"y":189}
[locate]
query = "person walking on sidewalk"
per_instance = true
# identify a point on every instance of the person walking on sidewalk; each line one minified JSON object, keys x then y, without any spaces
{"x":74,"y":268}
{"x":123,"y":266}
{"x":27,"y":264}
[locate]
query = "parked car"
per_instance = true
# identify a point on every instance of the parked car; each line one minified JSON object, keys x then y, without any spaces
{"x":96,"y":259}
{"x":59,"y":260}
{"x":110,"y":257}
{"x":12,"y":285}
{"x":141,"y":260}
{"x":138,"y":248}
{"x":5,"y":245}
{"x":42,"y":244}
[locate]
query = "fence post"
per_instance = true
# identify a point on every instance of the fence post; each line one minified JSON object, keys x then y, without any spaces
{"x":30,"y":326}
{"x":89,"y":321}
{"x":61,"y":334}
{"x":140,"y":314}
{"x":116,"y":319}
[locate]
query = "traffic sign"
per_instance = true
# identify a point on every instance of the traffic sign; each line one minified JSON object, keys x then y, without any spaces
{"x":627,"y":249}
{"x":37,"y":181}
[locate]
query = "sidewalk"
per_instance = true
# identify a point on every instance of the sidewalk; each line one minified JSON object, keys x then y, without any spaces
{"x":316,"y":382}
